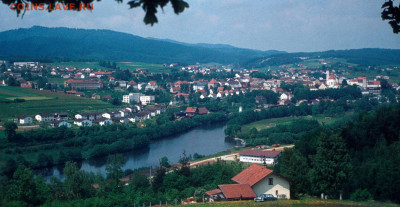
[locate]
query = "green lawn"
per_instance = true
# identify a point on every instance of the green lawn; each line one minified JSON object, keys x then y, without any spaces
{"x":45,"y":102}
{"x":268,"y":123}
{"x":94,"y":65}
{"x":157,"y":68}
{"x":301,"y":202}
{"x":59,"y":81}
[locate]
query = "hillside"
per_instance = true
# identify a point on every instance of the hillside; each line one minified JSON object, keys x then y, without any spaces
{"x":44,"y":102}
{"x":367,"y":56}
{"x":86,"y":44}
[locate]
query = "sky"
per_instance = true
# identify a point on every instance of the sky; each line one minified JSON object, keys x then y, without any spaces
{"x":286,"y":25}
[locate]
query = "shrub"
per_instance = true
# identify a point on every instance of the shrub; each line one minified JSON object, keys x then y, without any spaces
{"x":361,"y":195}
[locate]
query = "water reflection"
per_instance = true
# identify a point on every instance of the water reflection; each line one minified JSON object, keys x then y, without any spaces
{"x":202,"y":140}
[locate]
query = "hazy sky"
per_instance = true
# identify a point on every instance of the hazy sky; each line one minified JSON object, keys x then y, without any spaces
{"x":289,"y":25}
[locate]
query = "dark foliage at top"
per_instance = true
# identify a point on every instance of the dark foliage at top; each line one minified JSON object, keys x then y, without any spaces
{"x":149,"y":6}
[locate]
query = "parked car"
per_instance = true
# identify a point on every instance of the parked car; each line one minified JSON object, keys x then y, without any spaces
{"x":265,"y":197}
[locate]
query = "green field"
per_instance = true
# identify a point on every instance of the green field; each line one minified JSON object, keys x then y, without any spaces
{"x":79,"y":65}
{"x":157,"y":68}
{"x":301,"y":202}
{"x":268,"y":123}
{"x":59,"y":81}
{"x":45,"y":102}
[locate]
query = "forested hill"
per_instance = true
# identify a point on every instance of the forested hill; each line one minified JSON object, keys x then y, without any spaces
{"x":366,"y":56}
{"x":115,"y":46}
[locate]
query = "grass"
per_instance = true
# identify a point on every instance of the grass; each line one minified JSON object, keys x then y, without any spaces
{"x":59,"y":81}
{"x":268,"y":123}
{"x":79,"y":65}
{"x":45,"y":102}
{"x":157,"y":68}
{"x":301,"y":202}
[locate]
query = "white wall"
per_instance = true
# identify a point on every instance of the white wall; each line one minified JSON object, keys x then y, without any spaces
{"x":279,"y":184}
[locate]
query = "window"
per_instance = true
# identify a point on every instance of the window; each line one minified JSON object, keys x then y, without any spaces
{"x":270,"y":181}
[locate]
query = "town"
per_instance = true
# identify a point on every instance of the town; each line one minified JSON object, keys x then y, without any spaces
{"x":140,"y":103}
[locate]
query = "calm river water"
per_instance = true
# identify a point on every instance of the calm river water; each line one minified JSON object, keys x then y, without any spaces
{"x":202,"y":140}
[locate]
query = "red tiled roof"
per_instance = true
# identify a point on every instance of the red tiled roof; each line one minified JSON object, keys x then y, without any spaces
{"x":191,"y":110}
{"x":252,"y":175}
{"x":203,"y":110}
{"x":212,"y":192}
{"x":238,"y":191}
{"x":213,"y":81}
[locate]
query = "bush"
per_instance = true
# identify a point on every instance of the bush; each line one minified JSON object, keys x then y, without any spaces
{"x":361,"y":195}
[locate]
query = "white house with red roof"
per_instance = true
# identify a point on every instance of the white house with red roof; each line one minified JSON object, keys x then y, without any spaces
{"x":259,"y":156}
{"x":252,"y":181}
{"x":264,"y":181}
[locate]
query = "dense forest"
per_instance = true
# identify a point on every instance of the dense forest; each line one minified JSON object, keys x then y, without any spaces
{"x":359,"y":160}
{"x":115,"y":46}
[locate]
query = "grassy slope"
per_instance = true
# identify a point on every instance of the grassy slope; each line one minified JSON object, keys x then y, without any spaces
{"x":45,"y":102}
{"x":268,"y":123}
{"x":302,"y":202}
{"x":123,"y":65}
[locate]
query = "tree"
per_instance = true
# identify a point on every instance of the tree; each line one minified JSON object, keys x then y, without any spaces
{"x":391,"y":13}
{"x":294,"y":166}
{"x":77,"y":183}
{"x":113,"y":168}
{"x":149,"y":6}
{"x":164,"y":162}
{"x":27,"y":189}
{"x":10,"y":128}
{"x":331,"y":165}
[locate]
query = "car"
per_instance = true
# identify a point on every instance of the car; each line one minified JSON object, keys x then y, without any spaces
{"x":265,"y":197}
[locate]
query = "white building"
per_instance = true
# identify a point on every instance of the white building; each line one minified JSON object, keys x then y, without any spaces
{"x":132,"y":98}
{"x":25,"y":120}
{"x":45,"y":117}
{"x":264,"y":181}
{"x":146,"y":100}
{"x":259,"y":156}
{"x":83,"y":122}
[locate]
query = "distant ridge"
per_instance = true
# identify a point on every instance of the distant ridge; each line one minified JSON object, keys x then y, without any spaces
{"x":93,"y":44}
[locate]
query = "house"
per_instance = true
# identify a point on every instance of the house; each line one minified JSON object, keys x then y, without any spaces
{"x":45,"y":117}
{"x":61,"y":116}
{"x":264,"y":181}
{"x":83,"y":122}
{"x":286,"y":96}
{"x":203,"y":110}
{"x":25,"y":120}
{"x":60,"y":124}
{"x":103,"y":121}
{"x":191,"y":111}
{"x":231,"y":192}
{"x":259,"y":156}
{"x":133,"y":118}
{"x":123,"y":120}
{"x":146,"y":100}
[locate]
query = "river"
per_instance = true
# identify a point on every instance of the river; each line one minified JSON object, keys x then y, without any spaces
{"x":204,"y":140}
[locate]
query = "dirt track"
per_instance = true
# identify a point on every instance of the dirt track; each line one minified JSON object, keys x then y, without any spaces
{"x":232,"y":156}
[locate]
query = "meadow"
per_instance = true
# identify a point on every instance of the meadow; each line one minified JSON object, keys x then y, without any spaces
{"x":156,"y":68}
{"x":302,"y":202}
{"x":45,"y":102}
{"x":268,"y":123}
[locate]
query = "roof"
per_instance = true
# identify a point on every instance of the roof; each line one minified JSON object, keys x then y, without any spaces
{"x":191,"y":110}
{"x":259,"y":153}
{"x":203,"y":110}
{"x":212,"y":192}
{"x":232,"y":191}
{"x":252,"y":175}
